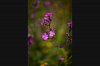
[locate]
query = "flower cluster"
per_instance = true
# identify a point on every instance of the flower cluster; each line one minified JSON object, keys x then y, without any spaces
{"x":47,"y":18}
{"x":30,"y":40}
{"x":47,"y":21}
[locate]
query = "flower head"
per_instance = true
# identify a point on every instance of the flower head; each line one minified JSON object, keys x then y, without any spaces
{"x":48,"y":14}
{"x":62,"y":59}
{"x":69,"y":24}
{"x":45,"y":21}
{"x":51,"y":33}
{"x":45,"y":36}
{"x":30,"y":40}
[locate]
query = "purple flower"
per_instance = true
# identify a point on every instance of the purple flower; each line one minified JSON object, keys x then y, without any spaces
{"x":51,"y":33}
{"x":45,"y":36}
{"x":47,"y":18}
{"x":47,"y":4}
{"x":69,"y":24}
{"x":45,"y":21}
{"x":30,"y":40}
{"x":62,"y":59}
{"x":48,"y":14}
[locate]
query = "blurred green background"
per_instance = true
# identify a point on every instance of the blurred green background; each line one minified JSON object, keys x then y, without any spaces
{"x":43,"y":53}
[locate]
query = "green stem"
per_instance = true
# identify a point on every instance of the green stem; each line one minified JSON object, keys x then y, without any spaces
{"x":57,"y":52}
{"x":49,"y":25}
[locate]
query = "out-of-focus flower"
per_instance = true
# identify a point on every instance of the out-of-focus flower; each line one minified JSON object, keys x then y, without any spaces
{"x":51,"y":33}
{"x":36,"y":4}
{"x":45,"y":63}
{"x":69,"y":24}
{"x":62,"y":58}
{"x":42,"y":65}
{"x":32,"y":15}
{"x":45,"y":36}
{"x":30,"y":40}
{"x":47,"y":4}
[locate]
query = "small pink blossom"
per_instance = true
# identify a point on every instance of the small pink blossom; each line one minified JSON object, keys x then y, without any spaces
{"x":69,"y":24}
{"x":62,"y":59}
{"x":51,"y":33}
{"x":45,"y":21}
{"x":48,"y":14}
{"x":45,"y":36}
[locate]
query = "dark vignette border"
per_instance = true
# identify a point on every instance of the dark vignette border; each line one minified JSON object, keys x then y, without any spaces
{"x":13,"y":33}
{"x":86,"y":33}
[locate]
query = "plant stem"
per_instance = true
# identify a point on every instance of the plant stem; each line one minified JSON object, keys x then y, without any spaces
{"x":49,"y":25}
{"x":57,"y":52}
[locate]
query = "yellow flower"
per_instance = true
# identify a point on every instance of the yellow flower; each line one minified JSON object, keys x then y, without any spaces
{"x":45,"y":63}
{"x":42,"y":65}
